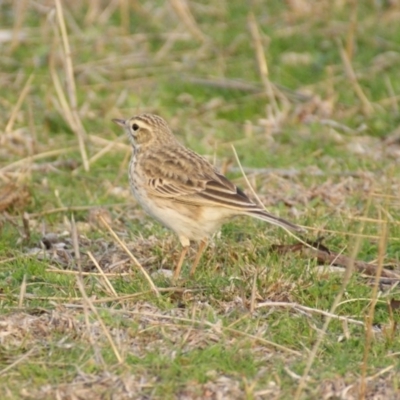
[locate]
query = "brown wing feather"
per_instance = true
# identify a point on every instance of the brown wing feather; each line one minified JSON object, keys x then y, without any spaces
{"x":187,"y":177}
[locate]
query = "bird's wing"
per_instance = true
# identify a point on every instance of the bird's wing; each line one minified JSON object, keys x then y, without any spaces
{"x":186,"y":177}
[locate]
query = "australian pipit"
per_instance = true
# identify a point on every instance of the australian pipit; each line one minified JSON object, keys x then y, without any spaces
{"x":181,"y":189}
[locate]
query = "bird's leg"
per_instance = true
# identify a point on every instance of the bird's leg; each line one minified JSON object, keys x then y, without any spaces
{"x":180,"y":262}
{"x":202,"y":246}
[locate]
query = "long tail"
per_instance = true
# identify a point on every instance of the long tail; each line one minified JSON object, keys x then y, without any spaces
{"x":264,"y":216}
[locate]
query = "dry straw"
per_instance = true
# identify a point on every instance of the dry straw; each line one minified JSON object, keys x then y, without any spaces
{"x":68,"y":109}
{"x":322,"y":332}
{"x":131,"y":256}
{"x":87,"y":302}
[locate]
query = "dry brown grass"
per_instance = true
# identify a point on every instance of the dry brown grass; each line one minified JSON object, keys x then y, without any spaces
{"x":308,"y":98}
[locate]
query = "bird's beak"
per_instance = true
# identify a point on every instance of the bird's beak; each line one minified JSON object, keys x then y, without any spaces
{"x":120,"y":122}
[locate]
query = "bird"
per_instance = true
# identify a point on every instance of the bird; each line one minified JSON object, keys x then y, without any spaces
{"x":181,"y":189}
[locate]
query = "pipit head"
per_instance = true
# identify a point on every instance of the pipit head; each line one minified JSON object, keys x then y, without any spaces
{"x":146,"y":128}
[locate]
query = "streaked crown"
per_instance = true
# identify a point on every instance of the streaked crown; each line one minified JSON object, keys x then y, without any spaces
{"x":146,"y":128}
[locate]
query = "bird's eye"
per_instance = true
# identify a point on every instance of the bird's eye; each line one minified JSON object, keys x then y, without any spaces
{"x":135,"y":127}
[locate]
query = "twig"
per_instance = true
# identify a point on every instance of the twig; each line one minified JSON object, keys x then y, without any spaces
{"x":374,"y":298}
{"x":182,"y":10}
{"x":19,"y":13}
{"x":124,"y":16}
{"x":392,"y":94}
{"x":104,"y":142}
{"x":35,"y":157}
{"x":17,"y":361}
{"x":309,"y":309}
{"x":17,"y":106}
{"x":106,"y":149}
{"x":101,"y":322}
{"x":253,"y":293}
{"x":83,"y":273}
{"x":321,"y":333}
{"x":69,"y":69}
{"x":245,"y":177}
{"x":22,"y":292}
{"x":74,"y":208}
{"x":258,"y":339}
{"x":361,"y":235}
{"x":255,"y":88}
{"x":366,"y":105}
{"x":63,"y":106}
{"x":64,"y":300}
{"x":71,"y":89}
{"x":262,"y":61}
{"x":326,"y":256}
{"x":260,"y":203}
{"x":291,"y":172}
{"x":352,"y":29}
{"x":102,"y":274}
{"x":382,"y":371}
{"x":131,"y":256}
{"x":86,"y":301}
{"x":225,"y":83}
{"x":75,"y":242}
{"x":217,"y":327}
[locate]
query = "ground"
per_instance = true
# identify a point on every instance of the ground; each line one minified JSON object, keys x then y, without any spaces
{"x":296,"y":101}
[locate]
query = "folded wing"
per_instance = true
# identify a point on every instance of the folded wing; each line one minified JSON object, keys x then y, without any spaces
{"x":191,"y":179}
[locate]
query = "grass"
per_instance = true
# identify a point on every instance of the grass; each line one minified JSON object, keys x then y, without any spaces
{"x":322,"y":150}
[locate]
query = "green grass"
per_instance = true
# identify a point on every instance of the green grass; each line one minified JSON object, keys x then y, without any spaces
{"x":318,"y":160}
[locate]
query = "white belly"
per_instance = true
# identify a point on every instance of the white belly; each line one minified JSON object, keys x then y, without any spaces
{"x":187,"y":221}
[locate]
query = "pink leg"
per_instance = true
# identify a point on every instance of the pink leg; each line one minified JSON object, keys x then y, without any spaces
{"x":180,"y":262}
{"x":202,"y":246}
